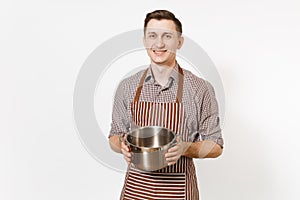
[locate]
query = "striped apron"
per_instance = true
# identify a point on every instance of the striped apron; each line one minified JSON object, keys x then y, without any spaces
{"x":177,"y":181}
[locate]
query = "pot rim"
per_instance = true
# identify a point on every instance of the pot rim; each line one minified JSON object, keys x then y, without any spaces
{"x":152,"y":148}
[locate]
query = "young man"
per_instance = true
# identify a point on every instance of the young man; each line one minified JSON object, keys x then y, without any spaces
{"x":173,"y":93}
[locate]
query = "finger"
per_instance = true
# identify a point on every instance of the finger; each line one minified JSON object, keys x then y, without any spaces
{"x":173,"y":149}
{"x":172,"y":162}
{"x":171,"y":154}
{"x":128,"y":160}
{"x":123,"y":146}
{"x":126,"y":153}
{"x":172,"y":159}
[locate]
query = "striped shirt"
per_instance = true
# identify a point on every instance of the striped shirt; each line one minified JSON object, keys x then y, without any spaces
{"x":199,"y":101}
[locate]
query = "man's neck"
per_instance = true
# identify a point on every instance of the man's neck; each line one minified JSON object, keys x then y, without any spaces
{"x":161,"y":73}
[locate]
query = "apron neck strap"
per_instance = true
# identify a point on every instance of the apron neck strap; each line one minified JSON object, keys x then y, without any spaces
{"x":179,"y":90}
{"x":180,"y":85}
{"x":139,"y":89}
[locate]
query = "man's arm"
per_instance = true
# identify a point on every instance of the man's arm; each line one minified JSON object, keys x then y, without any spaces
{"x":208,"y":142}
{"x":202,"y":149}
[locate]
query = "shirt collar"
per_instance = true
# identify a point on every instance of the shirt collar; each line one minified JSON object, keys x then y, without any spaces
{"x":174,"y":76}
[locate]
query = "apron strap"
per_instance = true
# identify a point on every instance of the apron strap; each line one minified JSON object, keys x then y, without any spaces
{"x":180,"y":85}
{"x":139,"y":89}
{"x":179,"y":90}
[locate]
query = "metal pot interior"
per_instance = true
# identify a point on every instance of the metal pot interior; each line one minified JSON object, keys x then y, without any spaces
{"x":150,"y":136}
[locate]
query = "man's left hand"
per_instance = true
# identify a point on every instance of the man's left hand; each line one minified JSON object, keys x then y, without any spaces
{"x":174,"y":153}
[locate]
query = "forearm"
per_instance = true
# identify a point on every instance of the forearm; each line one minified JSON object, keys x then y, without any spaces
{"x":115,"y":143}
{"x":202,"y":149}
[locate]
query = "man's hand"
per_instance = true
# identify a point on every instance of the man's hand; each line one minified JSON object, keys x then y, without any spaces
{"x":174,"y":153}
{"x":125,"y":151}
{"x":117,"y":144}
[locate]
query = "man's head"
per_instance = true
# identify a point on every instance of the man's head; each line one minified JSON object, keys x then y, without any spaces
{"x":163,"y":14}
{"x":162,"y":37}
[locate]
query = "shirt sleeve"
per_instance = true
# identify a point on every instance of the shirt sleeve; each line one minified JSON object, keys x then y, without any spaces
{"x":208,"y":117}
{"x":120,"y":115}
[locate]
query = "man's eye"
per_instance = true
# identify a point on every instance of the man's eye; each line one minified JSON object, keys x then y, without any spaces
{"x":151,"y":36}
{"x":168,"y":36}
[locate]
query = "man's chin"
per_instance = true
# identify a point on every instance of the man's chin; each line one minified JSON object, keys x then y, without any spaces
{"x":161,"y":63}
{"x":158,"y":62}
{"x":159,"y":59}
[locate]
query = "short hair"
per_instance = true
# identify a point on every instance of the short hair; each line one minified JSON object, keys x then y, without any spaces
{"x":163,"y":14}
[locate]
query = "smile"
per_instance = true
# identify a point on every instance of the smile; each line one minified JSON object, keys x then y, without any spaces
{"x":159,"y":52}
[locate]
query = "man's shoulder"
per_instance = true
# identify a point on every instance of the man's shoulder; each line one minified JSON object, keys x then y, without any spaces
{"x":132,"y":79}
{"x":194,"y":79}
{"x":196,"y":84}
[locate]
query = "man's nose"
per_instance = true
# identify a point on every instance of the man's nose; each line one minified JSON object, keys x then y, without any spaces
{"x":159,"y":42}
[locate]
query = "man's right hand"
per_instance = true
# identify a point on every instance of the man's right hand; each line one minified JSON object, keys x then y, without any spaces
{"x":118,"y":145}
{"x":125,"y":151}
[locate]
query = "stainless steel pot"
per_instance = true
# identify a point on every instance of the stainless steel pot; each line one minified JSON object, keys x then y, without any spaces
{"x":149,"y":145}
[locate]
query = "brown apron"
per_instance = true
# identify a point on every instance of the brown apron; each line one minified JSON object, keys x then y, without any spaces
{"x":177,"y":181}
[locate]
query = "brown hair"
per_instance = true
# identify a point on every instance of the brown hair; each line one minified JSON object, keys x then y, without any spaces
{"x":163,"y":14}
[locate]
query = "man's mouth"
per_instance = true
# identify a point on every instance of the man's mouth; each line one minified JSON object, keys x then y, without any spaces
{"x":159,"y":51}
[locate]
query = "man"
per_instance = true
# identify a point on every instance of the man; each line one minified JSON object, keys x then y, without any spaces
{"x":174,"y":93}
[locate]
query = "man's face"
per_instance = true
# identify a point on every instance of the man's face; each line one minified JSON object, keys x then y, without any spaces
{"x":161,"y":41}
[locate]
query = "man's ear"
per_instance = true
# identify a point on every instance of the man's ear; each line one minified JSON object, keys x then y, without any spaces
{"x":180,"y":42}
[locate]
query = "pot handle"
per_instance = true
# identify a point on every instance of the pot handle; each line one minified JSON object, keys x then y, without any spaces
{"x":121,"y":137}
{"x":178,"y":140}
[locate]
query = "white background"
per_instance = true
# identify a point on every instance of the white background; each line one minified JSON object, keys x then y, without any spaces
{"x":254,"y":44}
